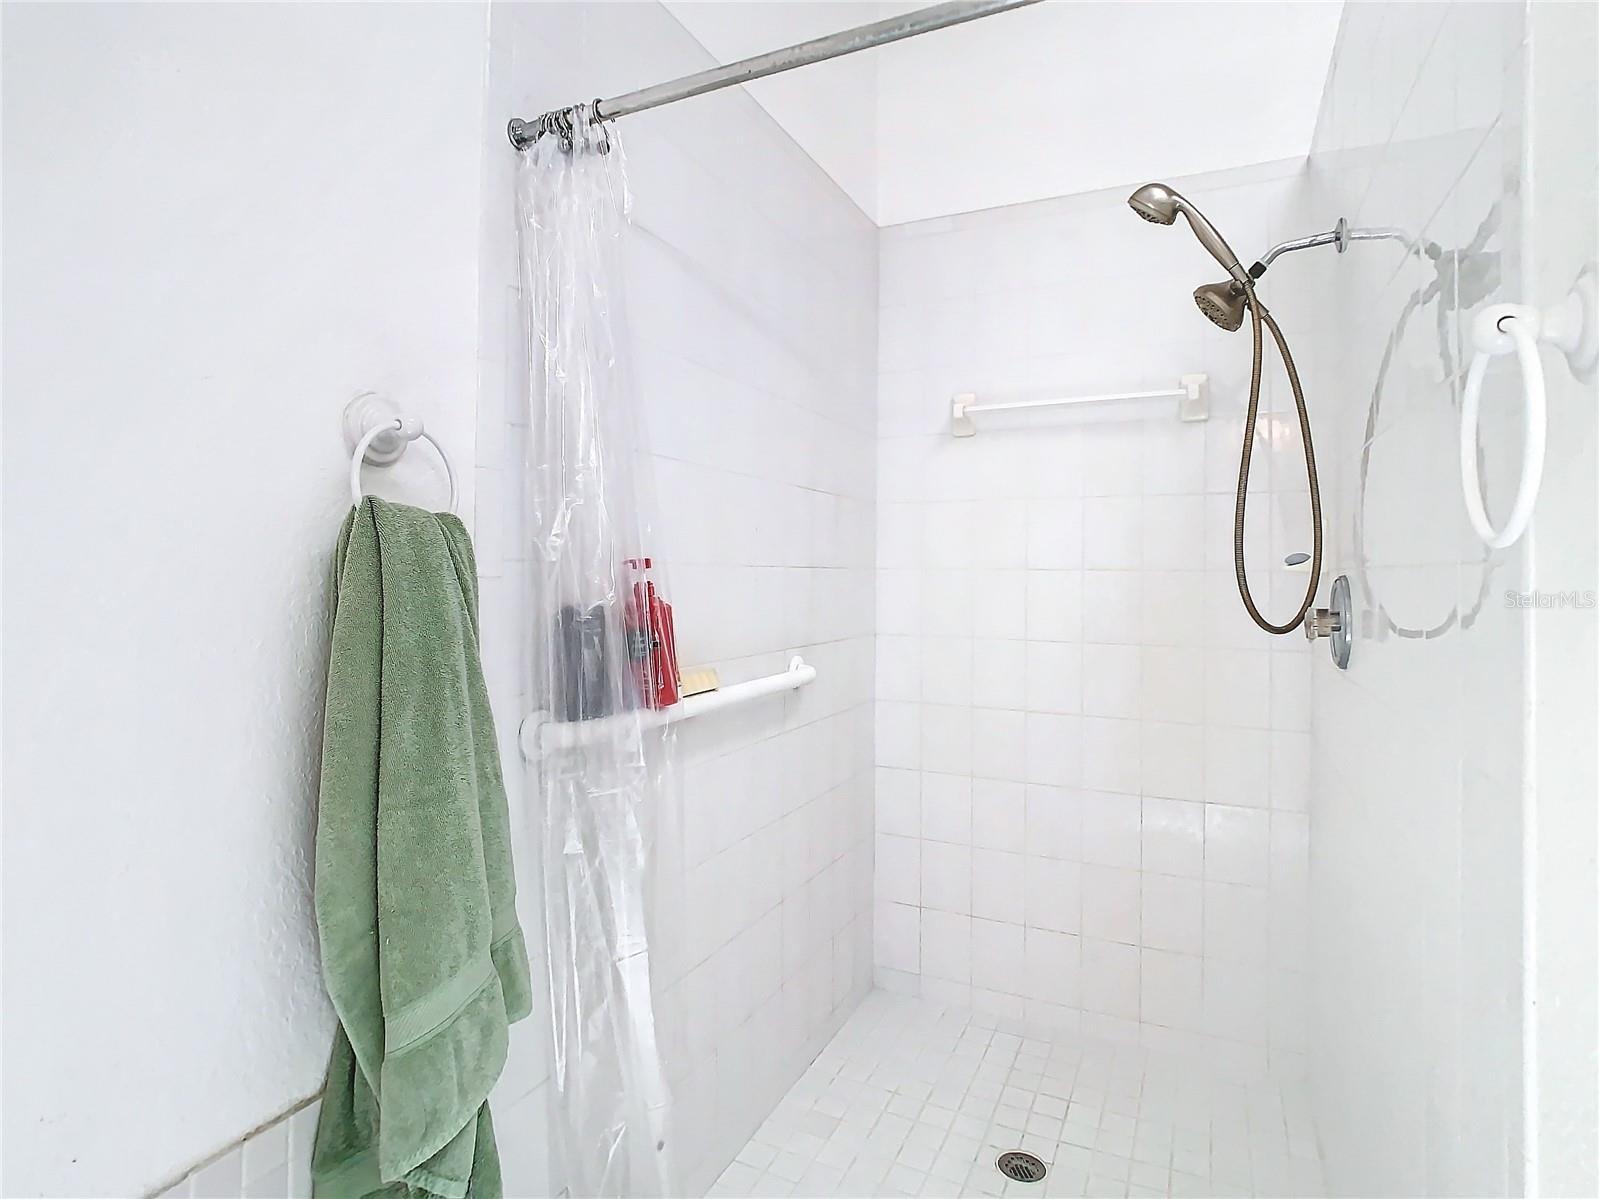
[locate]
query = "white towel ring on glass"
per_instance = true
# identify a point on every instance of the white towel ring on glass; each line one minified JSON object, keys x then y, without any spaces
{"x":1501,"y":329}
{"x":378,"y":436}
{"x":1515,"y":328}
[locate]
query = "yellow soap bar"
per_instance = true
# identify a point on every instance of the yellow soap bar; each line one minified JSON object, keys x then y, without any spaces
{"x":696,"y":680}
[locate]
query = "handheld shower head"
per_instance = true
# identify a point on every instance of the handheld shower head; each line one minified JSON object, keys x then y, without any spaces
{"x":1223,"y":303}
{"x":1155,"y":203}
{"x":1159,"y":204}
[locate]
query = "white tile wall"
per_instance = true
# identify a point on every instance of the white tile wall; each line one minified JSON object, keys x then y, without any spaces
{"x":752,"y":287}
{"x":274,"y":1162}
{"x":1091,"y":768}
{"x":1416,"y":755}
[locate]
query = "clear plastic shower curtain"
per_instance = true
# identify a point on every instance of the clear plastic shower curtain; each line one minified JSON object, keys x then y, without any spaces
{"x":598,"y":670}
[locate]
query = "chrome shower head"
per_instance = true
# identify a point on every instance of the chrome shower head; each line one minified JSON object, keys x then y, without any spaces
{"x":1223,"y":303}
{"x":1159,"y":204}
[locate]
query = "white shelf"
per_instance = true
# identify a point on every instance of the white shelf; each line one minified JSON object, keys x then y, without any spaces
{"x":540,"y":735}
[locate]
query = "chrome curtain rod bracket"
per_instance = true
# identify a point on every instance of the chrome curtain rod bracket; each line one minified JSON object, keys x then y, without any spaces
{"x":561,"y":123}
{"x":848,"y":41}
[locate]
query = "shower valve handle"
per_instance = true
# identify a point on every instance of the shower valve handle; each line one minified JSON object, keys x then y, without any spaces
{"x":1336,"y":622}
{"x":1321,"y":622}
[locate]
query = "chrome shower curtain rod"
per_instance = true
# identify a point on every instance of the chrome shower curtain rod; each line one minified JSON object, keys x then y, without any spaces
{"x":847,"y":41}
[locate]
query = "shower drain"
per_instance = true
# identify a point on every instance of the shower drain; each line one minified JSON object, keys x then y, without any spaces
{"x":1021,"y":1167}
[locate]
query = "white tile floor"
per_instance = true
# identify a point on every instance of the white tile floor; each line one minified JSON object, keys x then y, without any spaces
{"x":914,"y":1099}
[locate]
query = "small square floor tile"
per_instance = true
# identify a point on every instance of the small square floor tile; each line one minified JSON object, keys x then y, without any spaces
{"x":914,"y":1099}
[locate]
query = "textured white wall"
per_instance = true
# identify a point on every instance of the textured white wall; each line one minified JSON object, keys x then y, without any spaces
{"x":752,"y":290}
{"x":829,"y":108}
{"x":213,"y":310}
{"x":1417,"y":776}
{"x":992,"y":112}
{"x":1064,"y":98}
{"x":1091,"y":792}
{"x":220,"y":223}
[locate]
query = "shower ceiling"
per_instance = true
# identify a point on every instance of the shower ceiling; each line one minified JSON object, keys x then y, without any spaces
{"x":1050,"y":100}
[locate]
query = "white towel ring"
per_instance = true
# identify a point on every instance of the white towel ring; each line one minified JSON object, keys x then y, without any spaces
{"x":1502,"y":329}
{"x":367,"y":418}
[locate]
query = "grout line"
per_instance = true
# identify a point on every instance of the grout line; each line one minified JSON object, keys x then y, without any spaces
{"x":234,"y":1146}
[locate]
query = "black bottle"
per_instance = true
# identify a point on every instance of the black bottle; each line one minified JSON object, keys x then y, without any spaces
{"x":582,"y":691}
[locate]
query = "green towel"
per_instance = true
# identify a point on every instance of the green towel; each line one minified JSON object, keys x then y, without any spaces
{"x":415,"y":899}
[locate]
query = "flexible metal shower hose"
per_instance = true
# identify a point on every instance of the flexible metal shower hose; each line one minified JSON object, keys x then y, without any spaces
{"x":1258,"y":316}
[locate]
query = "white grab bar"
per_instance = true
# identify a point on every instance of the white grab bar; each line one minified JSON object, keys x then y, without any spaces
{"x":1192,"y":393}
{"x":540,"y":735}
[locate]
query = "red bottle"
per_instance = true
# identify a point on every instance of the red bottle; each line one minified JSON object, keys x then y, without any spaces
{"x":651,"y":639}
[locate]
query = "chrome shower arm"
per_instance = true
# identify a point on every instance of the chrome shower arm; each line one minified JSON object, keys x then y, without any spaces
{"x":1340,"y":235}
